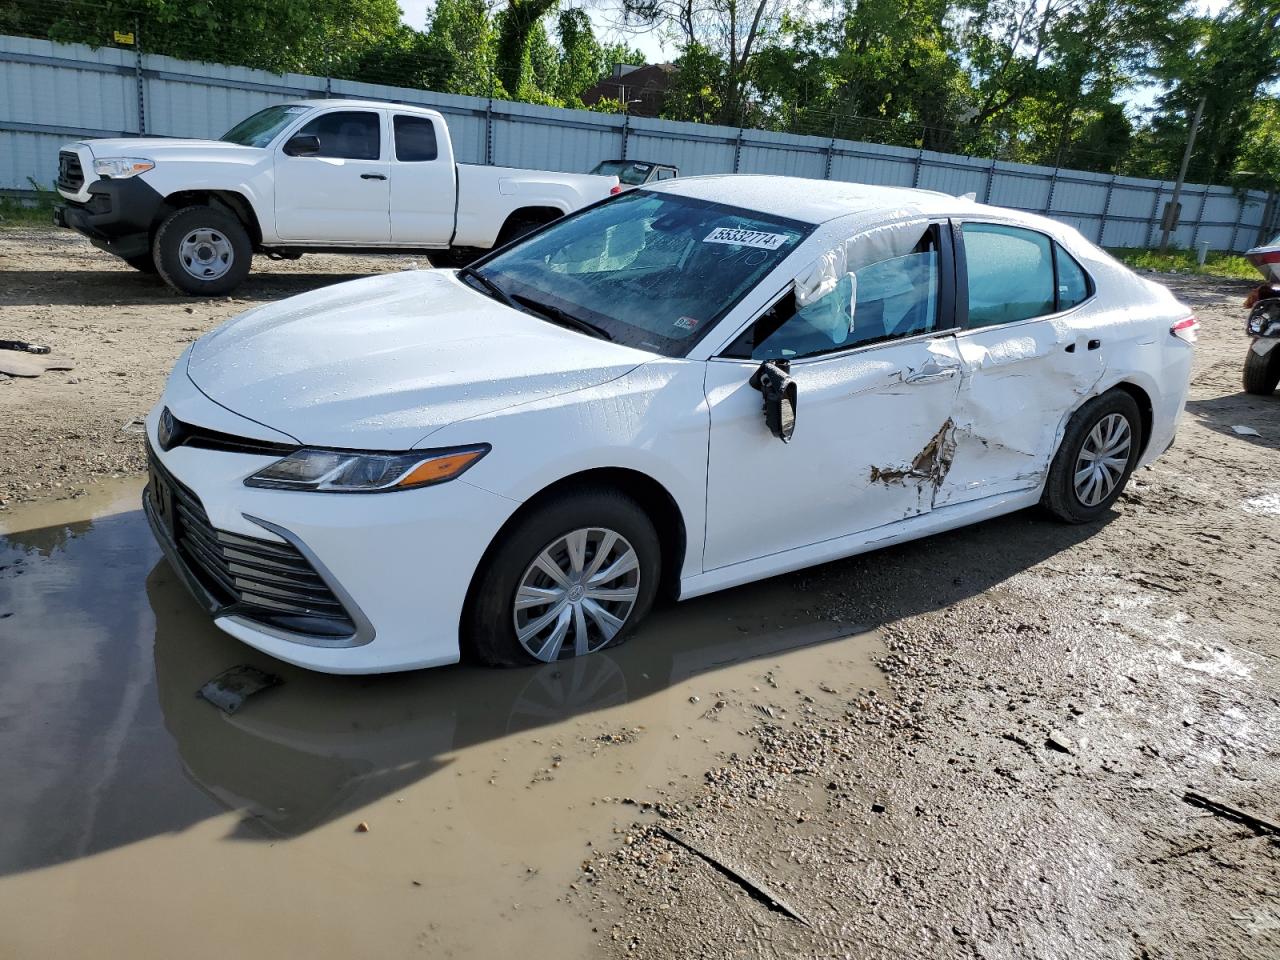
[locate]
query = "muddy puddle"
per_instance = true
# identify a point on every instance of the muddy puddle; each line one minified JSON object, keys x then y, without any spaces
{"x":141,"y":821}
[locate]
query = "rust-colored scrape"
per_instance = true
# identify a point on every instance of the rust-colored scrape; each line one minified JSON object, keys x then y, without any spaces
{"x":930,"y":464}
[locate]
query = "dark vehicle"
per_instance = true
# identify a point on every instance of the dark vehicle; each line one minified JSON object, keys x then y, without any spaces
{"x":1262,"y":362}
{"x":635,"y":173}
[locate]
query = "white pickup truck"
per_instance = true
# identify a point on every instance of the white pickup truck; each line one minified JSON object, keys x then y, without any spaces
{"x":308,"y":176}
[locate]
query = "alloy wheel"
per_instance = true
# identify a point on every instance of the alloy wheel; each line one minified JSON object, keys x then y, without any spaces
{"x":1103,"y":459}
{"x":576,"y":594}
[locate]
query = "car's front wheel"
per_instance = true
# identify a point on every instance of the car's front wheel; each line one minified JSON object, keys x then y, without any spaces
{"x":203,"y":251}
{"x":572,"y":576}
{"x":1098,"y":453}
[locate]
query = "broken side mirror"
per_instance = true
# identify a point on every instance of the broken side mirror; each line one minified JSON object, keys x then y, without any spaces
{"x":302,"y":145}
{"x":773,"y":380}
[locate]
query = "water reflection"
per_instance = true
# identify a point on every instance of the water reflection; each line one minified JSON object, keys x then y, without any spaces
{"x":103,"y":741}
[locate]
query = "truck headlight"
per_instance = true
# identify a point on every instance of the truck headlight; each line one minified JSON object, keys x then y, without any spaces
{"x":118,"y":168}
{"x":345,"y":471}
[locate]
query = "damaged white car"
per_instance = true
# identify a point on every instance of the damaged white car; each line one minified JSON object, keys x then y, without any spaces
{"x":687,"y":387}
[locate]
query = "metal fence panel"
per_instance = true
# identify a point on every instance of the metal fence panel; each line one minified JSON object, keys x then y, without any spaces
{"x":51,"y":93}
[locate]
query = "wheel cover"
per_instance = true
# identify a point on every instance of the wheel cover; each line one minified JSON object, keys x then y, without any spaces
{"x":576,"y":594}
{"x":1103,"y":458}
{"x":206,"y":254}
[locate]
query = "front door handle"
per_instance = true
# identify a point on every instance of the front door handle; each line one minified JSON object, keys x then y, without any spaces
{"x":932,"y":372}
{"x":373,"y":176}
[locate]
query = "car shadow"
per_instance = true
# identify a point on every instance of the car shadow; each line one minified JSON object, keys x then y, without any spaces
{"x":104,"y":741}
{"x":123,"y":286}
{"x":1241,"y":410}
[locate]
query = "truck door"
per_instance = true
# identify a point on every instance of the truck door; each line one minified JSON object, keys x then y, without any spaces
{"x":340,"y":193}
{"x":422,"y":181}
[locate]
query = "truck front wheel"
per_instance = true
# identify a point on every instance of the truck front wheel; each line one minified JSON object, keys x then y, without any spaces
{"x":202,"y":251}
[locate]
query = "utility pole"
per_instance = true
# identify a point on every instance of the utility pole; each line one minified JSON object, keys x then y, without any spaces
{"x":1171,"y":211}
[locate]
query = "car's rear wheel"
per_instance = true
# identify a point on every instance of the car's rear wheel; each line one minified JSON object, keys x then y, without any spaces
{"x":1262,"y":374}
{"x":571,"y":577}
{"x":1098,"y":453}
{"x":202,"y":251}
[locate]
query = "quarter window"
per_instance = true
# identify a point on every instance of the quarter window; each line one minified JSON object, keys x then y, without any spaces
{"x":1073,"y":282}
{"x":347,"y":134}
{"x":1010,"y":274}
{"x":415,"y":139}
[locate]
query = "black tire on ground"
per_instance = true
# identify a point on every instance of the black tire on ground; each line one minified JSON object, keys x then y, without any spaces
{"x":144,"y":263}
{"x":228,"y":232}
{"x":1060,"y":497}
{"x":454,"y":258}
{"x":1262,"y":374}
{"x":489,"y":629}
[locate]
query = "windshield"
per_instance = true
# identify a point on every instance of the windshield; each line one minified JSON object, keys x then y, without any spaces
{"x":260,"y":129}
{"x":651,"y":270}
{"x":631,"y":172}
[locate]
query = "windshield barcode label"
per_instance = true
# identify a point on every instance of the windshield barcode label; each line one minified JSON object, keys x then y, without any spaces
{"x":747,"y":238}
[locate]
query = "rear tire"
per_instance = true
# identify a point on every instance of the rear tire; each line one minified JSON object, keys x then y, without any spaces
{"x":1262,"y":374}
{"x":513,"y":230}
{"x":143,"y":264}
{"x":579,"y":612}
{"x":1098,"y":453}
{"x":202,"y":251}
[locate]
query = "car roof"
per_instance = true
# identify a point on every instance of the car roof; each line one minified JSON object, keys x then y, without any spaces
{"x":365,"y":104}
{"x":813,"y":201}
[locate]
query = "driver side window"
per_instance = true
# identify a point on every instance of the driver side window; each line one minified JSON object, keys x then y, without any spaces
{"x":894,"y":298}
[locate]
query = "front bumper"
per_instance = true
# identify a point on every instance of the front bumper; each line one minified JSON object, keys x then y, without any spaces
{"x":117,"y":217}
{"x":400,"y":563}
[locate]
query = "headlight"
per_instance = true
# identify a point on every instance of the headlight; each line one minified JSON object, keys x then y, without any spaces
{"x":343,"y":471}
{"x":120,"y":167}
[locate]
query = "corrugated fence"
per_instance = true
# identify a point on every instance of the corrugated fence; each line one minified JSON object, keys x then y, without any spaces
{"x":51,"y":93}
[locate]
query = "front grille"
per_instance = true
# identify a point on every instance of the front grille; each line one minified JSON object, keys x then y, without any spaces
{"x":70,"y":174}
{"x":261,"y":580}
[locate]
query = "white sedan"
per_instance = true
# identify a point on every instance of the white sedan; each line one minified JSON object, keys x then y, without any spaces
{"x":686,"y":387}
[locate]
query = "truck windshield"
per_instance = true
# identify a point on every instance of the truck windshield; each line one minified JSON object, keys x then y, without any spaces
{"x":261,"y":128}
{"x":650,"y":270}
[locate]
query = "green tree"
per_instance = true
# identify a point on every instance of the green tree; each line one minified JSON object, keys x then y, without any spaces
{"x":516,"y":26}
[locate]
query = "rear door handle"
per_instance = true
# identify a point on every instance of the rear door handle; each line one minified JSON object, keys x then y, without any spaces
{"x":373,"y":176}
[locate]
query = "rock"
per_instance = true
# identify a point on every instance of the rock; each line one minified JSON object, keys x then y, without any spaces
{"x":877,"y":807}
{"x":362,"y":826}
{"x":1057,"y":741}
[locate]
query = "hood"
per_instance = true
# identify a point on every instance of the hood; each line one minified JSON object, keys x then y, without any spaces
{"x":158,"y":148}
{"x":381,"y":363}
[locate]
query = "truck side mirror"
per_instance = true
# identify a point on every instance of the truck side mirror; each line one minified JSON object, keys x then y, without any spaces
{"x":302,"y":145}
{"x":772,"y":378}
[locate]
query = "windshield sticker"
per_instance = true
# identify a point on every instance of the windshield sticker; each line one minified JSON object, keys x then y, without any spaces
{"x":686,"y":323}
{"x":747,"y":238}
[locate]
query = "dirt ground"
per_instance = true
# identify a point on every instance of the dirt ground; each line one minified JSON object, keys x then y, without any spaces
{"x":121,"y":330}
{"x":1017,"y":781}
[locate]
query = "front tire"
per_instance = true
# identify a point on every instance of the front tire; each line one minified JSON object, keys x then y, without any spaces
{"x":1098,"y":453}
{"x":571,"y":577}
{"x":143,"y":264}
{"x":1262,"y":374}
{"x":202,"y":251}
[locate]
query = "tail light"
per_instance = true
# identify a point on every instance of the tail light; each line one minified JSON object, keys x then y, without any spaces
{"x":615,"y":189}
{"x":1187,"y":330}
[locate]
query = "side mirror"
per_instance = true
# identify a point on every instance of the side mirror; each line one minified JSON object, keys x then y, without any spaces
{"x":302,"y":145}
{"x":773,"y":380}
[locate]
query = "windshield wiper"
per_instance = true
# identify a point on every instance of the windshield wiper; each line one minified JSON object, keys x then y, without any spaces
{"x":563,"y":317}
{"x":488,"y":284}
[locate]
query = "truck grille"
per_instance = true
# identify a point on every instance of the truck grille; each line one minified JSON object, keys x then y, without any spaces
{"x":261,"y":580}
{"x":70,"y":174}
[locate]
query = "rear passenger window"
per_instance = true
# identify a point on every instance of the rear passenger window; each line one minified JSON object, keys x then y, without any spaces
{"x":1010,"y":274}
{"x":415,"y":139}
{"x":347,"y":134}
{"x":1073,"y":282}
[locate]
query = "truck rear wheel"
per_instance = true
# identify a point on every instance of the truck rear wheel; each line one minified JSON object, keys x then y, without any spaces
{"x":202,"y":251}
